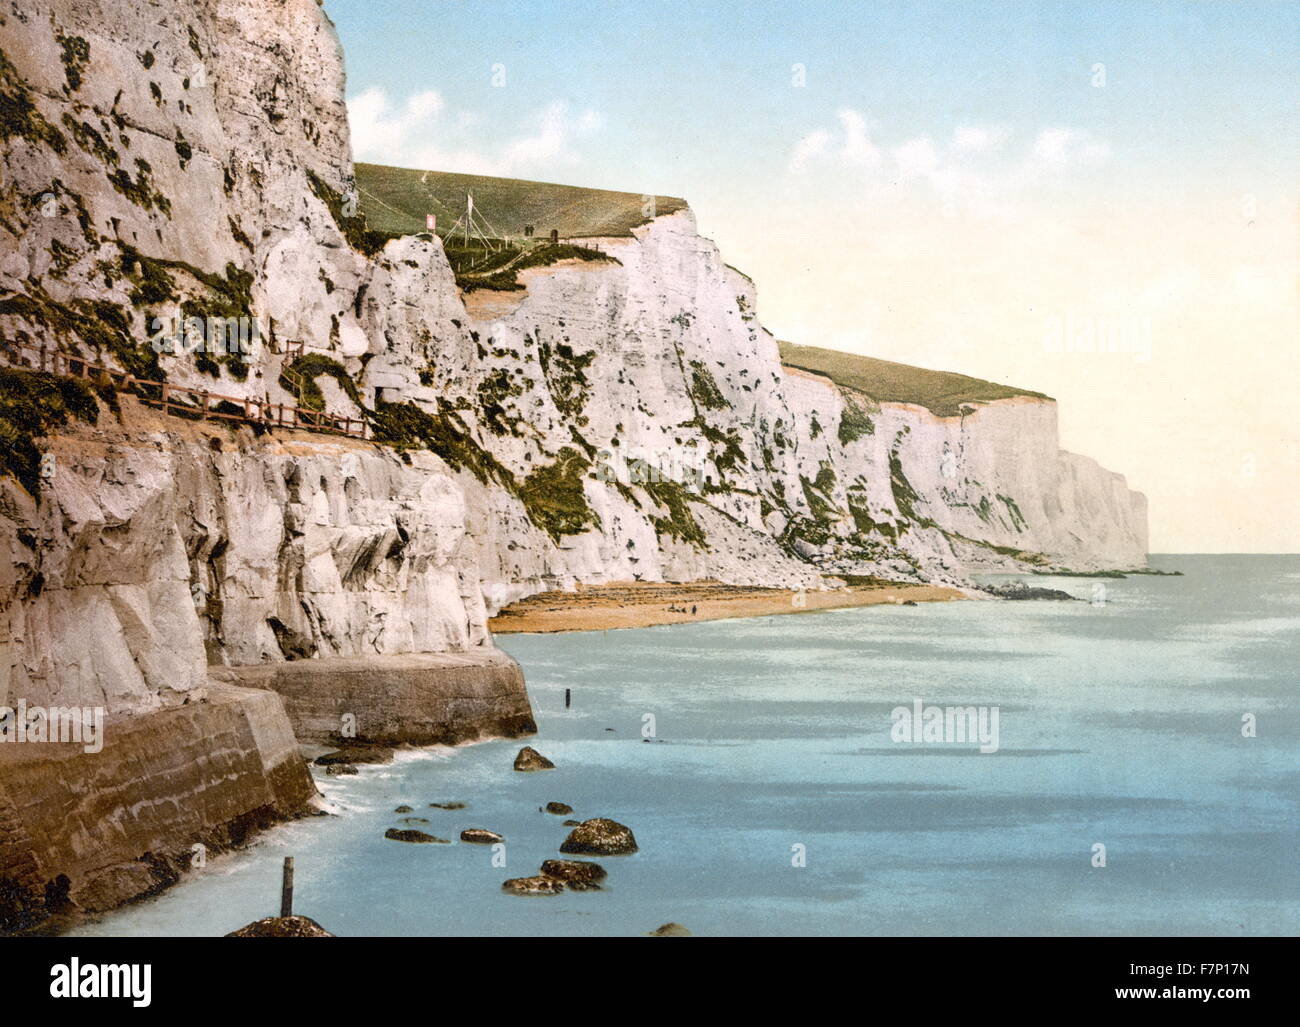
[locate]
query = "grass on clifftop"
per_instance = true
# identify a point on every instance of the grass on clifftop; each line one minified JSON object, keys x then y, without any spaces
{"x":396,"y":200}
{"x":941,"y":392}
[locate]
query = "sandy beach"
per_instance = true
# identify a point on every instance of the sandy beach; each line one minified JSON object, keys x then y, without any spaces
{"x":640,"y":604}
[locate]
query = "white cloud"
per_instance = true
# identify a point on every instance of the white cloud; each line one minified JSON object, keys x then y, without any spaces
{"x":1065,"y":147}
{"x":377,"y":129}
{"x":976,"y":169}
{"x":812,"y":145}
{"x":420,"y":132}
{"x":858,"y":148}
{"x":551,"y":139}
{"x":979,"y":138}
{"x":916,"y":158}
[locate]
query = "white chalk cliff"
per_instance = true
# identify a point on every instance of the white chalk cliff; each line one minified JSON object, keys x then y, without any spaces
{"x":168,"y":153}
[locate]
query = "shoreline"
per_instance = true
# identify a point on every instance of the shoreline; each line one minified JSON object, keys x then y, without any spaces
{"x":643,"y":604}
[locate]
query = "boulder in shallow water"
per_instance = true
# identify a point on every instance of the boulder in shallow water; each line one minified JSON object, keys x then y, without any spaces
{"x":560,"y":809}
{"x":530,"y":759}
{"x":341,"y":770}
{"x":533,"y":886}
{"x":447,"y":805}
{"x":282,"y":927}
{"x":669,"y":930}
{"x":397,"y":834}
{"x":480,"y":836}
{"x":403,"y":809}
{"x":577,"y":874}
{"x":599,"y":836}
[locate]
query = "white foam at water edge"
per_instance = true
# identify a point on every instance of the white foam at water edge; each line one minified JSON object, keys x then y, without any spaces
{"x":429,"y":753}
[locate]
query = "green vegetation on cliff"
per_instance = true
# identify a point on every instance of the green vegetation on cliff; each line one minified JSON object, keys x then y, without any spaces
{"x":555,"y":498}
{"x":478,"y":268}
{"x":33,"y":405}
{"x":19,"y":118}
{"x":679,"y":523}
{"x":354,"y":226}
{"x":940,"y":392}
{"x":300,"y":379}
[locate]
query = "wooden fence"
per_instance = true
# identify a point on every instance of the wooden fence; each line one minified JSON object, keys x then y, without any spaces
{"x":182,"y":400}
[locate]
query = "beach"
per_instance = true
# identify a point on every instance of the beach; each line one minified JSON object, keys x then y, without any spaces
{"x":641,"y":604}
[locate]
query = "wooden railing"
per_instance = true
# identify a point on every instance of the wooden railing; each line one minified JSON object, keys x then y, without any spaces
{"x":182,"y":400}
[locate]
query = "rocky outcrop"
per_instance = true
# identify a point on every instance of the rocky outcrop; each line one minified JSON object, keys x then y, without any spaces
{"x":414,"y":836}
{"x":480,"y":836}
{"x":1019,"y":590}
{"x":599,"y":836}
{"x":577,"y":874}
{"x":529,"y":759}
{"x":533,"y":886}
{"x":85,"y":832}
{"x":669,"y":930}
{"x":282,"y":927}
{"x":351,"y":755}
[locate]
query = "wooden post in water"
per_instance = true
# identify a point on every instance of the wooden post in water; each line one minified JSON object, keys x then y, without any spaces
{"x":286,"y":888}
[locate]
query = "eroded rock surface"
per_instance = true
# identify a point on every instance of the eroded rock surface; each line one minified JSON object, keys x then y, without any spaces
{"x":577,"y":874}
{"x":529,"y":759}
{"x":282,"y":927}
{"x":533,"y":886}
{"x":600,"y":836}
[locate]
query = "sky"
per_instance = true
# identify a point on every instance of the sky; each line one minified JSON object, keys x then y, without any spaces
{"x":1098,"y":201}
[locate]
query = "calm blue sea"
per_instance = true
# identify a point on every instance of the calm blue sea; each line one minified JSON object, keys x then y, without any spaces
{"x":1120,"y":725}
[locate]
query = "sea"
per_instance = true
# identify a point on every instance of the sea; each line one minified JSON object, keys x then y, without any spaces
{"x":1126,"y":764}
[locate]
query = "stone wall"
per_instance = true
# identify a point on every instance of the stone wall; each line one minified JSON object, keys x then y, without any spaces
{"x":85,"y":832}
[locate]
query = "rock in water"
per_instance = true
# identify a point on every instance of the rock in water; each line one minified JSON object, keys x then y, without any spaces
{"x":599,"y":837}
{"x":397,"y":834}
{"x":530,"y":759}
{"x":577,"y":874}
{"x":560,"y":809}
{"x":478,"y":836}
{"x":533,"y":886}
{"x":571,"y":823}
{"x":1019,"y":590}
{"x":356,"y":754}
{"x":403,"y":809}
{"x":447,"y":805}
{"x":341,"y":770}
{"x":669,"y":930}
{"x":282,"y":927}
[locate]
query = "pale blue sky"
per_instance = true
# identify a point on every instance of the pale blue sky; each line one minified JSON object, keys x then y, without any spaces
{"x":689,"y":89}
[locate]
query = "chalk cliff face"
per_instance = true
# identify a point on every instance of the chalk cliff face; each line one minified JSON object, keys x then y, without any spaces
{"x":197,"y":161}
{"x":159,"y":549}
